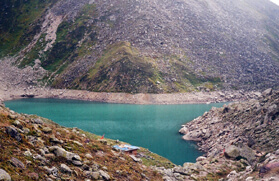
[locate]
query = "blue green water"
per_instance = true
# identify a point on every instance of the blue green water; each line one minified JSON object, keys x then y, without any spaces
{"x":151,"y":126}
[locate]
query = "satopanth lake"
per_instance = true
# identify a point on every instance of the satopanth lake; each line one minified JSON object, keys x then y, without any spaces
{"x":151,"y":126}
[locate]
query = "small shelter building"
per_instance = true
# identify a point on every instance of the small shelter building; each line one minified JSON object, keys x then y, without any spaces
{"x":128,"y":149}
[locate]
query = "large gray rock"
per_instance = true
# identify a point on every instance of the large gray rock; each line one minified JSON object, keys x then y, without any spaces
{"x":17,"y":124}
{"x":88,"y":156}
{"x":52,"y":171}
{"x":4,"y":176}
{"x":193,"y":136}
{"x":60,"y":152}
{"x":241,"y":151}
{"x":232,"y":152}
{"x":47,"y":130}
{"x":13,"y":133}
{"x":104,"y":174}
{"x":37,"y":121}
{"x":55,"y":140}
{"x":17,"y":163}
{"x":91,"y":175}
{"x":182,"y":170}
{"x":95,"y":175}
{"x":65,"y":169}
{"x":267,"y":92}
{"x":77,"y":163}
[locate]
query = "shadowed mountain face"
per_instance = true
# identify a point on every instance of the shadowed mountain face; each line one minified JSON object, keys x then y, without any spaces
{"x":145,"y":46}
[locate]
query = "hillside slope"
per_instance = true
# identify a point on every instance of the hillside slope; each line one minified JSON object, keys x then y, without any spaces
{"x":145,"y":46}
{"x":34,"y":148}
{"x":245,"y":132}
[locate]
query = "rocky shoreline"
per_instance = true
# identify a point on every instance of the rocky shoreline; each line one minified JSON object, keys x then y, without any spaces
{"x":126,"y":98}
{"x":18,"y":83}
{"x":240,"y":139}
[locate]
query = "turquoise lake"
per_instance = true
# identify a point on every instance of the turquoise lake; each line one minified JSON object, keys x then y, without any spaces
{"x":151,"y":126}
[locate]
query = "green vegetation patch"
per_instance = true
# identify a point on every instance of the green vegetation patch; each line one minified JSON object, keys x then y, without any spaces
{"x":68,"y":47}
{"x":121,"y":68}
{"x":19,"y":23}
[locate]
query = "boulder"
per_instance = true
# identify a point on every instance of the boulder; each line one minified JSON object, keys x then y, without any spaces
{"x":104,"y":175}
{"x":92,"y":175}
{"x":65,"y":169}
{"x":4,"y":176}
{"x":17,"y":124}
{"x":39,"y":157}
{"x":26,"y":130}
{"x":267,"y":92}
{"x":60,"y":152}
{"x":95,"y":175}
{"x":200,"y":158}
{"x":55,"y":140}
{"x":232,"y":175}
{"x":73,"y":157}
{"x":37,"y":121}
{"x":88,"y":156}
{"x":27,"y":153}
{"x":183,"y":130}
{"x":135,"y":158}
{"x":52,"y":171}
{"x":182,"y":170}
{"x":13,"y":133}
{"x":12,"y":116}
{"x":78,"y":143}
{"x":77,"y":163}
{"x":95,"y":167}
{"x":47,"y":130}
{"x":194,"y":135}
{"x":249,"y":179}
{"x":240,"y":151}
{"x":232,"y":152}
{"x":17,"y":163}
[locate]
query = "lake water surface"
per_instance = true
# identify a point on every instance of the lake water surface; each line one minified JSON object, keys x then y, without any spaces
{"x":151,"y":126}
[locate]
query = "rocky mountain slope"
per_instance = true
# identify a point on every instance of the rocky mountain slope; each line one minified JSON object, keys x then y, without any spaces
{"x":34,"y":148}
{"x":145,"y":46}
{"x":239,"y":135}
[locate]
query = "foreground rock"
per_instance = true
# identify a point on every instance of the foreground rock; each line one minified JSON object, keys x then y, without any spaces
{"x":4,"y":176}
{"x":240,"y":139}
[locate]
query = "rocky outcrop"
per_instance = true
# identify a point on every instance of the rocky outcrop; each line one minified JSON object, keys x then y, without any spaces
{"x":241,"y":151}
{"x":242,"y":133}
{"x":14,"y":133}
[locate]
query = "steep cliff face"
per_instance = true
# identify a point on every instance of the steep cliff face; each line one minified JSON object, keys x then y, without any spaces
{"x":145,"y":46}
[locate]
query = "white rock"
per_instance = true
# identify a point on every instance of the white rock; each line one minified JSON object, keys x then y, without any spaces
{"x":200,"y":158}
{"x":249,"y":179}
{"x":65,"y":169}
{"x":27,"y":153}
{"x":89,"y":156}
{"x":4,"y":175}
